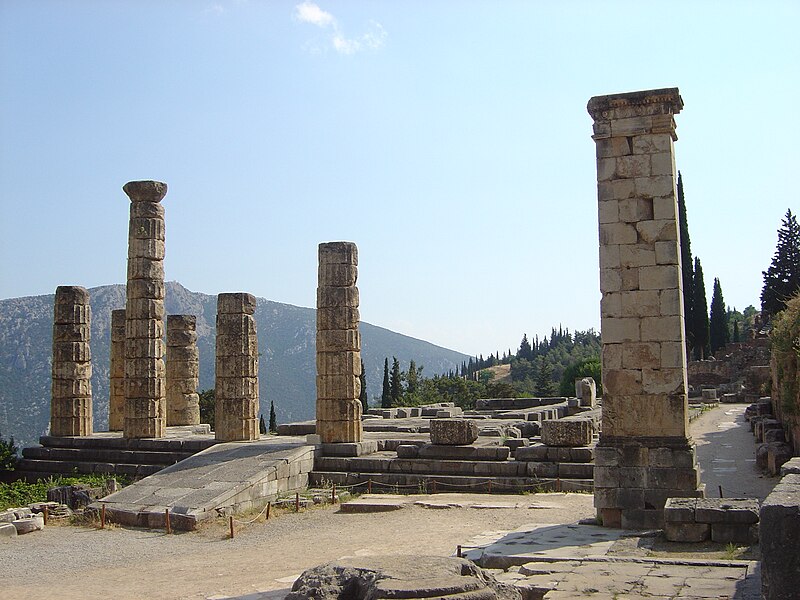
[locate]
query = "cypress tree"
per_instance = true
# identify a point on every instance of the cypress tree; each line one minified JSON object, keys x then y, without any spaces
{"x":700,"y":325}
{"x":396,"y":383}
{"x":363,"y":395}
{"x":687,"y":274}
{"x":412,"y":378}
{"x":782,"y":279}
{"x":525,"y":351}
{"x":262,"y":427}
{"x":736,"y":339}
{"x":273,"y":419}
{"x":386,"y":394}
{"x":718,"y":324}
{"x":543,"y":384}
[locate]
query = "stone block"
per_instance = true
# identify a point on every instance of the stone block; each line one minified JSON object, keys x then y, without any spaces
{"x":570,"y":433}
{"x":69,"y":314}
{"x":659,"y":277}
{"x":72,"y":332}
{"x":779,"y":531}
{"x":666,"y":253}
{"x":407,"y":451}
{"x":331,"y":297}
{"x":725,"y":533}
{"x":149,"y":248}
{"x":777,"y":454}
{"x":791,"y":466}
{"x":543,"y":470}
{"x":338,"y":341}
{"x":338,"y":253}
{"x":337,"y":274}
{"x":633,"y":210}
{"x":339,"y":431}
{"x":236,"y":324}
{"x":662,"y":329}
{"x":622,"y":381}
{"x":620,"y":330}
{"x":338,"y":386}
{"x":7,"y":530}
{"x":144,"y":348}
{"x":338,"y":363}
{"x":680,"y":510}
{"x":145,"y":268}
{"x":668,"y":382}
{"x":339,"y":317}
{"x":338,"y":409}
{"x":640,"y":356}
{"x":774,"y":435}
{"x":687,"y":532}
{"x":143,"y":308}
{"x":453,"y":432}
{"x":608,"y":211}
{"x":657,"y":230}
{"x":236,"y":303}
{"x":617,"y":233}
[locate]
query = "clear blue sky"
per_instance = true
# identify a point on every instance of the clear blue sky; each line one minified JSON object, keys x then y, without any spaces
{"x":449,"y":140}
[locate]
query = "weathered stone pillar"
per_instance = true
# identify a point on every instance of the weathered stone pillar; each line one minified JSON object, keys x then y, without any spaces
{"x":145,"y":388}
{"x":236,"y":385}
{"x":338,"y":344}
{"x":116,"y":397}
{"x":71,"y":401}
{"x":644,"y":455}
{"x":183,"y":371}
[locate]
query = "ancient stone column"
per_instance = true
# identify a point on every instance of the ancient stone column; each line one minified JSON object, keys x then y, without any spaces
{"x":71,"y":401}
{"x":236,"y":385}
{"x":338,"y":344}
{"x":116,"y":397}
{"x":145,"y":388}
{"x":183,"y":371}
{"x":644,"y":455}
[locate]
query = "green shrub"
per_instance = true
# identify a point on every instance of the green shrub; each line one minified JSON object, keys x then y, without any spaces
{"x":20,"y":493}
{"x":8,"y":454}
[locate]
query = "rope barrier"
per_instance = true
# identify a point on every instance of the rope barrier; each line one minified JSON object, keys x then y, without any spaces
{"x":253,"y":520}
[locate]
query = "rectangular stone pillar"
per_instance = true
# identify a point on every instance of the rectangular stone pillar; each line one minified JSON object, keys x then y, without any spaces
{"x":644,"y":455}
{"x":183,"y":371}
{"x":145,"y":389}
{"x":71,"y":400}
{"x":338,"y":344}
{"x":236,"y":383}
{"x":116,"y":398}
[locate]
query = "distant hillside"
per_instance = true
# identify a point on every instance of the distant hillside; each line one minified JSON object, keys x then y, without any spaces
{"x":286,"y":339}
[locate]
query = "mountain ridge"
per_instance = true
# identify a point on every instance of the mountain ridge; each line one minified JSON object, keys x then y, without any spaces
{"x":286,"y":340}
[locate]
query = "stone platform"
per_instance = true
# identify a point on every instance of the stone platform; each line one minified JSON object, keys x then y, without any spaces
{"x":109,"y":453}
{"x":224,"y":479}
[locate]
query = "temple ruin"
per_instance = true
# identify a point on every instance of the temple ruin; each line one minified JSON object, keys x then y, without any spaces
{"x":145,"y":389}
{"x":338,"y":345}
{"x":71,"y":404}
{"x":183,"y":371}
{"x":644,"y":455}
{"x":236,"y":387}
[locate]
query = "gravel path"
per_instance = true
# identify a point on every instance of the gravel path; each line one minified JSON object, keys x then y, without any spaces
{"x":126,"y":563}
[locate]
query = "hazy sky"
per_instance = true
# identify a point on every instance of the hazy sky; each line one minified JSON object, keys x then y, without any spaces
{"x":449,"y":140}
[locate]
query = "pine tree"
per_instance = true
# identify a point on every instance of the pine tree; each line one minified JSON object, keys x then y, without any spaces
{"x":273,"y":419}
{"x":700,"y":325}
{"x":687,"y":274}
{"x":363,"y":395}
{"x":718,"y":324}
{"x":395,"y":383}
{"x":386,"y":394}
{"x":782,"y":279}
{"x":736,"y":338}
{"x":262,"y":427}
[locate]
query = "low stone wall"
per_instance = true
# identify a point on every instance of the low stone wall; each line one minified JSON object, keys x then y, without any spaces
{"x":723,"y":520}
{"x":780,"y":530}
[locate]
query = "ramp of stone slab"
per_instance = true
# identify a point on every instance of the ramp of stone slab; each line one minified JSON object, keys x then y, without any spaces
{"x":224,"y":479}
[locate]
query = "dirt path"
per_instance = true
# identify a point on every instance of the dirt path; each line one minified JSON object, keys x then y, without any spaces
{"x":726,"y":451}
{"x":72,"y":562}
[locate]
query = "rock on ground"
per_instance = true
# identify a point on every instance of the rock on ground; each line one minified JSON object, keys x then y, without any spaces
{"x":371,"y":578}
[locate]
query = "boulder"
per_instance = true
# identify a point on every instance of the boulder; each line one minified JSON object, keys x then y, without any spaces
{"x":407,"y":577}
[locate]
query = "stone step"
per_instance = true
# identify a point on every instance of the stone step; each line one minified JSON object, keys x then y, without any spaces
{"x":107,"y":455}
{"x":31,"y":469}
{"x":423,"y":466}
{"x":426,"y":483}
{"x":110,"y":441}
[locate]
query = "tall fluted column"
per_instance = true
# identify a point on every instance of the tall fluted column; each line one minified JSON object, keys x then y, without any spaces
{"x":183,"y":371}
{"x":145,"y":389}
{"x":116,"y":398}
{"x":236,"y":384}
{"x":338,"y":344}
{"x":644,"y":455}
{"x":71,"y":401}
